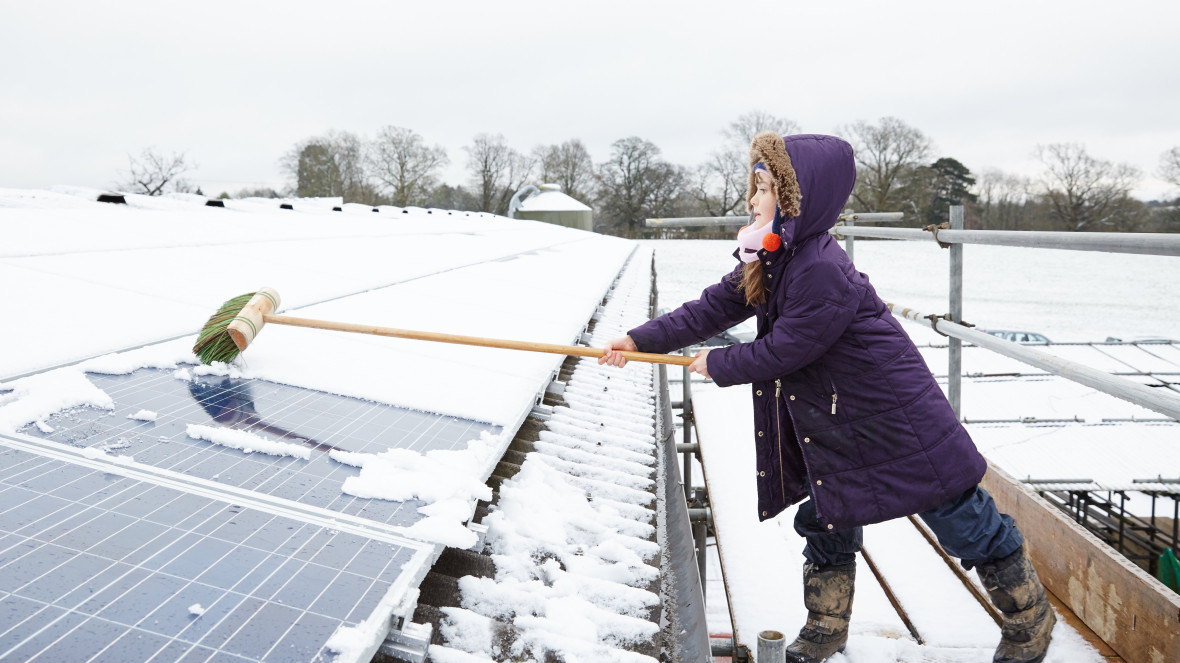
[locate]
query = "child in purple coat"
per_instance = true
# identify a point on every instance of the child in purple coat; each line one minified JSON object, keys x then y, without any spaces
{"x":847,"y":415}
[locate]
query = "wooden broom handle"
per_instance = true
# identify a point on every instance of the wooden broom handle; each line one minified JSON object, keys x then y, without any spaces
{"x":575,"y":350}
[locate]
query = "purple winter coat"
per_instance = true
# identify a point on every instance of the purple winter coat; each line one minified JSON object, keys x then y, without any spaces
{"x":844,"y":406}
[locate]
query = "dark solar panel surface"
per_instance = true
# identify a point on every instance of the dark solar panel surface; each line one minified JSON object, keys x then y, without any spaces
{"x":311,"y":419}
{"x":96,"y":566}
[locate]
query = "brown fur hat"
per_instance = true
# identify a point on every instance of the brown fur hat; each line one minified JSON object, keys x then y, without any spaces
{"x":768,"y":148}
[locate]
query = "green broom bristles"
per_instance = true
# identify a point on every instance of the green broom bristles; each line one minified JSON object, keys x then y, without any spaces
{"x":214,"y":342}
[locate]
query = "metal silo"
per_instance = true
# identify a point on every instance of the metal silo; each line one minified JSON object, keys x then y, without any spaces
{"x":550,"y":205}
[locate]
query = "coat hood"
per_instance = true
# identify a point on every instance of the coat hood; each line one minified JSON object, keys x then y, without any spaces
{"x":813,"y":177}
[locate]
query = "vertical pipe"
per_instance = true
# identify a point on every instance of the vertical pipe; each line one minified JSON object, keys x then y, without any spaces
{"x":700,"y":530}
{"x":686,"y":427}
{"x":955,"y":369}
{"x":848,"y":239}
{"x":772,"y":647}
{"x":1122,"y":516}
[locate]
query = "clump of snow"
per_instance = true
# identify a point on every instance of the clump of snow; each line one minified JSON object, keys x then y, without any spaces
{"x":41,"y":395}
{"x":447,"y":531}
{"x":163,"y":356}
{"x":246,"y":441}
{"x":441,"y":654}
{"x":43,"y":427}
{"x":348,"y":642}
{"x":468,"y":631}
{"x":97,"y":453}
{"x":196,"y":610}
{"x":144,"y":415}
{"x":403,"y":474}
{"x":121,"y":443}
{"x":449,"y":481}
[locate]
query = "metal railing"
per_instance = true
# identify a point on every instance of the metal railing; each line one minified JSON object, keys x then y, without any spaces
{"x":953,"y":236}
{"x":1158,"y":244}
{"x":951,"y":324}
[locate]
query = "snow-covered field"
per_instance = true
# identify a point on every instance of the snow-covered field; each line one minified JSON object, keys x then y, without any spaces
{"x":1066,"y":295}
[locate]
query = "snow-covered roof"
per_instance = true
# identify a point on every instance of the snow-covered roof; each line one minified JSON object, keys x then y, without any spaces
{"x":322,"y":429}
{"x":549,"y":200}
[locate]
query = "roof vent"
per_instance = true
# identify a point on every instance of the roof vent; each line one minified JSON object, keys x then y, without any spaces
{"x":214,"y":203}
{"x":286,"y":206}
{"x":112,"y":198}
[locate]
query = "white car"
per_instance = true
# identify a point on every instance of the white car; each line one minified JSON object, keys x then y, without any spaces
{"x":1017,"y":336}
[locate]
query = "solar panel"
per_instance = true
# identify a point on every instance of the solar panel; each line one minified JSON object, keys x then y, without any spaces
{"x":113,"y":561}
{"x":311,"y":419}
{"x":94,"y":564}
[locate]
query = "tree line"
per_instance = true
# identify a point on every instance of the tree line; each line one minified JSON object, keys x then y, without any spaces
{"x":898,"y":170}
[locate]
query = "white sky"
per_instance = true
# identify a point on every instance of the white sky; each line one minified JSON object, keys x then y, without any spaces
{"x":236,"y":84}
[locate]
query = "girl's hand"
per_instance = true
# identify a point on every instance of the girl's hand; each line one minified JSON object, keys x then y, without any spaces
{"x":612,"y":355}
{"x":699,"y":365}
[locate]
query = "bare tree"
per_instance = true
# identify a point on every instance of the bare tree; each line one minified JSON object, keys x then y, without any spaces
{"x":1003,"y":200}
{"x":887,"y":155}
{"x":722,"y":182}
{"x":405,"y":165}
{"x":568,"y":165}
{"x":669,"y":186}
{"x":1083,"y":192}
{"x":633,"y":182}
{"x":1170,"y":166}
{"x":152,"y":171}
{"x":740,"y":133}
{"x":328,"y":166}
{"x":497,"y":171}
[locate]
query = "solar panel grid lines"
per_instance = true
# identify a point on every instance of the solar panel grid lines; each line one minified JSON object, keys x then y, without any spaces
{"x":198,"y":488}
{"x":274,"y":411}
{"x":147,"y":567}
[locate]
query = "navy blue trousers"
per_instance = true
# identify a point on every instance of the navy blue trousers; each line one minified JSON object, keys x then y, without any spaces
{"x":968,"y":527}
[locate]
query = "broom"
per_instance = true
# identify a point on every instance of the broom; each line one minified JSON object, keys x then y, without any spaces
{"x":234,"y":326}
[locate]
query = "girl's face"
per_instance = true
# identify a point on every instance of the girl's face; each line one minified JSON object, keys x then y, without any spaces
{"x":762,"y":204}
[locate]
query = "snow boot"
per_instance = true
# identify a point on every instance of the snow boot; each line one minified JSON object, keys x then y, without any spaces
{"x":827,"y":593}
{"x":1014,"y":587}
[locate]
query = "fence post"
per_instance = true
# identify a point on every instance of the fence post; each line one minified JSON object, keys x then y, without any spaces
{"x":848,"y":239}
{"x":955,"y":369}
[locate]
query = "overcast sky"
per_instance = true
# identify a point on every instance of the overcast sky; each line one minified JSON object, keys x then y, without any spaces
{"x":235,"y":85}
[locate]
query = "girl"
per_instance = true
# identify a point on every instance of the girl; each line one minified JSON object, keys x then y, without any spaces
{"x":847,"y":416}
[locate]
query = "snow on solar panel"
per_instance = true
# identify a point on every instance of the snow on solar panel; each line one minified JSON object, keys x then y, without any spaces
{"x":305,"y":419}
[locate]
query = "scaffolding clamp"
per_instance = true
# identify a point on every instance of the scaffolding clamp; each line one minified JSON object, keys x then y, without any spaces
{"x":945,"y":316}
{"x":934,"y":229}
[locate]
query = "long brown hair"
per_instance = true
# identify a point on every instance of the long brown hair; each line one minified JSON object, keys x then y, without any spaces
{"x":752,"y":285}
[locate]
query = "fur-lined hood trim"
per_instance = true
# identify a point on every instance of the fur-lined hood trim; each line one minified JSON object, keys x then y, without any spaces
{"x":768,"y":148}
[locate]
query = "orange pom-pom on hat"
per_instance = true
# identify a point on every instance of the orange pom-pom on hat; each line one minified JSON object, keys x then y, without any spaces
{"x":771,"y":242}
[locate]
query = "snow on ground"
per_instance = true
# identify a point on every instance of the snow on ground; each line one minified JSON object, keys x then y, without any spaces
{"x":1066,"y":295}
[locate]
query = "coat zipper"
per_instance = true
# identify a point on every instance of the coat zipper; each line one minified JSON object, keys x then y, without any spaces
{"x":834,"y":396}
{"x":778,"y":426}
